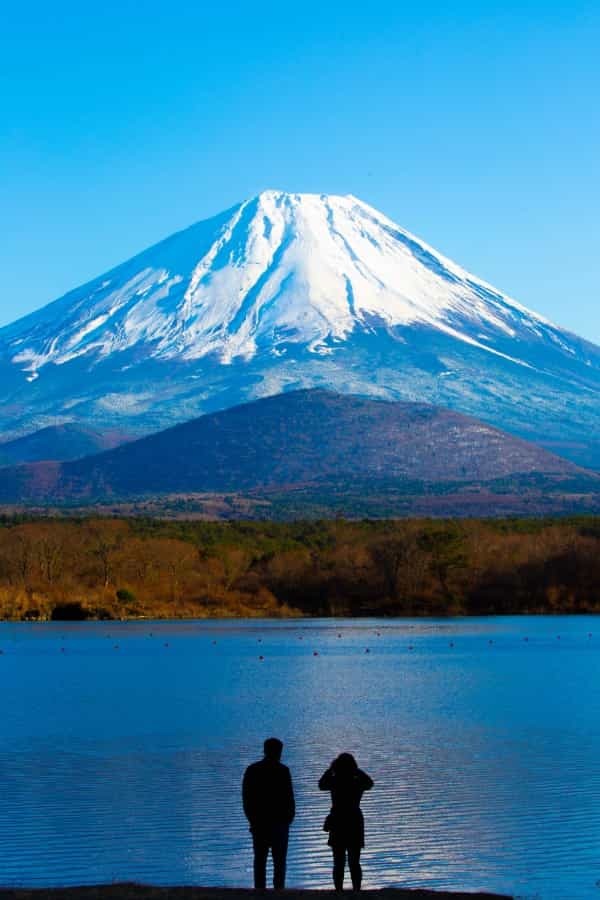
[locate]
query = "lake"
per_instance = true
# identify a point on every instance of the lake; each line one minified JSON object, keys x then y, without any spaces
{"x":123,"y":746}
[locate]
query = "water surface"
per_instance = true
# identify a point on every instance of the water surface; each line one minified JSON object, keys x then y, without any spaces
{"x":123,"y":746}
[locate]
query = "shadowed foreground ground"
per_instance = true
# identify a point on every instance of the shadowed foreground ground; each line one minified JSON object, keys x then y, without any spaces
{"x":143,"y":892}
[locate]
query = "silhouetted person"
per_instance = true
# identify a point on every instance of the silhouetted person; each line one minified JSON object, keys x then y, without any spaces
{"x":345,"y":822}
{"x":268,"y":799}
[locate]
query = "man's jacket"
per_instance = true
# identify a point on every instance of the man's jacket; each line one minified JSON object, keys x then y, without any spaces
{"x":268,"y":795}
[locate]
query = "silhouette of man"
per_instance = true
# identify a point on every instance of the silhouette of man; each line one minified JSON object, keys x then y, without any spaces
{"x":268,"y":799}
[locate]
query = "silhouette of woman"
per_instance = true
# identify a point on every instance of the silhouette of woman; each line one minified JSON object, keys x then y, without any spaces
{"x":345,"y":822}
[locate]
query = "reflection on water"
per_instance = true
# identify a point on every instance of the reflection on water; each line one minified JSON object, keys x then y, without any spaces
{"x":123,"y":746}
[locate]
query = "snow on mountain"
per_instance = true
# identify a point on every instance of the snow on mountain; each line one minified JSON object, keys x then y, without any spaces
{"x":304,"y":268}
{"x":294,"y":290}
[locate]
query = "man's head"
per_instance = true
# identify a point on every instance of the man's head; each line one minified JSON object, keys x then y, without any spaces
{"x":273,"y":748}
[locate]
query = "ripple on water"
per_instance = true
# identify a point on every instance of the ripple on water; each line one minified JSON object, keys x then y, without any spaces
{"x":128,"y":765}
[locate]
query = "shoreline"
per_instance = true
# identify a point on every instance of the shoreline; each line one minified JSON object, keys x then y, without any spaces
{"x":123,"y":620}
{"x":135,"y":891}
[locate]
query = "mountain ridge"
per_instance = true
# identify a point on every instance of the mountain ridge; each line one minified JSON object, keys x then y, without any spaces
{"x":286,"y":291}
{"x":301,"y":438}
{"x":58,"y":443}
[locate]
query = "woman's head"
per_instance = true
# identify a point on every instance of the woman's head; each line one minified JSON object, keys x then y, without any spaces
{"x":345,"y":764}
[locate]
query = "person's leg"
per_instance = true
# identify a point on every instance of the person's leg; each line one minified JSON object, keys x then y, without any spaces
{"x":279,"y":848}
{"x":339,"y":864}
{"x":261,"y":851}
{"x":354,"y":866}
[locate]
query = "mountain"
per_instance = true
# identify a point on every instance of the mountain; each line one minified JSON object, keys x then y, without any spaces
{"x":286,"y":291}
{"x":58,"y":442}
{"x":297,"y":439}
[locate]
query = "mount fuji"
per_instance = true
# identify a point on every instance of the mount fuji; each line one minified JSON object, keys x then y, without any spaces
{"x":288,"y":291}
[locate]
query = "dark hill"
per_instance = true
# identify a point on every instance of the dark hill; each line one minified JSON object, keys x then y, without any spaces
{"x":297,"y":438}
{"x":59,"y":443}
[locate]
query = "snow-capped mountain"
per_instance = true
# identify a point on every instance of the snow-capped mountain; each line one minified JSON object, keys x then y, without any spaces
{"x":287,"y":291}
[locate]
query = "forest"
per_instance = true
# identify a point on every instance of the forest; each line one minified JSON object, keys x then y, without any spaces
{"x":78,"y":568}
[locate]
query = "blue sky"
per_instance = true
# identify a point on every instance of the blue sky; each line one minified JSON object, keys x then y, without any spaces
{"x":476,"y":126}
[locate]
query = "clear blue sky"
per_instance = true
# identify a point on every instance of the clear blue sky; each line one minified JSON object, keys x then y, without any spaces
{"x":474,"y":125}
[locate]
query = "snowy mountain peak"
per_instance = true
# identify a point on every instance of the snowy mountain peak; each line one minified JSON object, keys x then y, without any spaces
{"x":280,"y":268}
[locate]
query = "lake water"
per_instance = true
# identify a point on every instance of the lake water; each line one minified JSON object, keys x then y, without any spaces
{"x":123,"y":745}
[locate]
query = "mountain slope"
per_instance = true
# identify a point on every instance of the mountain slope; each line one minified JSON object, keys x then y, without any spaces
{"x":297,"y":438}
{"x":287,"y":291}
{"x":57,"y":442}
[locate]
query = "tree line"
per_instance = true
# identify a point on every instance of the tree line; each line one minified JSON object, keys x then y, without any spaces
{"x":116,"y":568}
